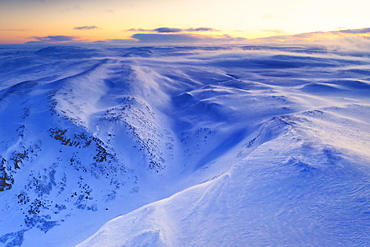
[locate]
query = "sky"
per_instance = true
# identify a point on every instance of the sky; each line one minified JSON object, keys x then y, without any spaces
{"x":125,"y":21}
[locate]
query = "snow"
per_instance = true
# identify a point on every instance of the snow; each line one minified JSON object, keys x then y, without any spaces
{"x":184,"y":146}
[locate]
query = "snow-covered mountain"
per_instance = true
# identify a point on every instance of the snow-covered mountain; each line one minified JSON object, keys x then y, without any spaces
{"x":184,"y":146}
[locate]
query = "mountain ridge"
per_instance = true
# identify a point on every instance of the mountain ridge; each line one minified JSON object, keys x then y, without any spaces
{"x":91,"y":134}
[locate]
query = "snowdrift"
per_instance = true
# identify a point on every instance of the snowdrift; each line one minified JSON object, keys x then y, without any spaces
{"x":184,"y":146}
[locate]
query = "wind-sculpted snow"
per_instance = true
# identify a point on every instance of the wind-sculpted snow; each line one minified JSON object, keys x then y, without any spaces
{"x":184,"y":146}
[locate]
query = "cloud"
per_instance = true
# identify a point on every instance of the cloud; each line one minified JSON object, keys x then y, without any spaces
{"x":228,"y":38}
{"x":165,"y":38}
{"x":117,"y":41}
{"x":183,"y":38}
{"x":319,"y":35}
{"x":86,"y":28}
{"x":137,"y":30}
{"x":356,"y":31}
{"x":142,"y":38}
{"x":57,"y":38}
{"x":167,"y":30}
{"x":173,"y":30}
{"x":290,"y":38}
{"x":53,"y":39}
{"x":201,"y":29}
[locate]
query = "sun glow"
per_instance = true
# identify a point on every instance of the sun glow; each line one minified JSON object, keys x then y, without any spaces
{"x":22,"y":21}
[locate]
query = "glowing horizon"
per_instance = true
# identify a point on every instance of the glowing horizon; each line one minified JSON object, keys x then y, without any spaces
{"x":23,"y":21}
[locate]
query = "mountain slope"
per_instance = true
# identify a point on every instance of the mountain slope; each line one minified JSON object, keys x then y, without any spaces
{"x":292,"y":190}
{"x":249,"y":146}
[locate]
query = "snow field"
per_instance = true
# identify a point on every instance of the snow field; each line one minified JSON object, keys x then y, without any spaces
{"x":249,"y":146}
